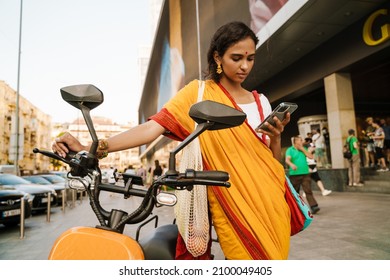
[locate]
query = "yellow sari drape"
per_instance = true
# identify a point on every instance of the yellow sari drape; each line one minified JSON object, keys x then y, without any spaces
{"x":251,"y":218}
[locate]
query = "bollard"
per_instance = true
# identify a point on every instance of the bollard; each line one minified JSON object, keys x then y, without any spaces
{"x":48,"y":207}
{"x":81,"y":197}
{"x":22,"y":215}
{"x":74,"y":194}
{"x":63,"y":199}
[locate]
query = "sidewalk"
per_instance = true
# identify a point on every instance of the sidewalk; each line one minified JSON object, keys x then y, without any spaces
{"x":349,"y":226}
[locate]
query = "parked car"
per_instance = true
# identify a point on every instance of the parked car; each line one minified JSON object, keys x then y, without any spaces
{"x":63,"y":174}
{"x":8,"y":169}
{"x":109,"y":175}
{"x":57,"y":183}
{"x":39,"y":192}
{"x":62,"y":177}
{"x":10,"y":210}
{"x":54,"y":178}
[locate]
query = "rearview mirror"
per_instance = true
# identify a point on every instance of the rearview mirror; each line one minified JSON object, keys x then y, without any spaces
{"x":85,"y":98}
{"x":82,"y":95}
{"x":221,"y":115}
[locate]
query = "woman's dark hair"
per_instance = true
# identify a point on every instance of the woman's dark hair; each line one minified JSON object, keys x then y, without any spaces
{"x":226,"y":36}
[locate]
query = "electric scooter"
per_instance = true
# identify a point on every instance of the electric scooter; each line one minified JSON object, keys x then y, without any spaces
{"x":106,"y":240}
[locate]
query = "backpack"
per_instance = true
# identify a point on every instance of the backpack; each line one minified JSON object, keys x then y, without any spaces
{"x":347,"y":153}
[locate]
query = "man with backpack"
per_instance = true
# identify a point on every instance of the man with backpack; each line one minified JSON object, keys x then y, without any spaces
{"x":354,"y":162}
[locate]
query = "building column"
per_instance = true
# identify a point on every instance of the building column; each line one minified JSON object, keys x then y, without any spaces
{"x":341,"y":114}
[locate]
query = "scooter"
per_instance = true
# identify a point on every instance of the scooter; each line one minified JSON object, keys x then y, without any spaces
{"x":106,"y":240}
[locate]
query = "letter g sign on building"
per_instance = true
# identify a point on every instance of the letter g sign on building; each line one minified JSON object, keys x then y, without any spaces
{"x":369,"y":27}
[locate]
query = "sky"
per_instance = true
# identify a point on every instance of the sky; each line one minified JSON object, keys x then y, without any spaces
{"x":68,"y":42}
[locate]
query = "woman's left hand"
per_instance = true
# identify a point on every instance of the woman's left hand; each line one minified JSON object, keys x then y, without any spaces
{"x":274,"y":135}
{"x":276,"y":131}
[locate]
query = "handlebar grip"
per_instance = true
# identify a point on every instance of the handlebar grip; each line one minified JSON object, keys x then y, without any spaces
{"x":207,"y":175}
{"x":122,"y":190}
{"x":70,"y":155}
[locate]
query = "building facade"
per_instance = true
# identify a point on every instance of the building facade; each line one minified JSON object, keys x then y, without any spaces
{"x":332,"y":58}
{"x":34,"y":132}
{"x":105,"y":128}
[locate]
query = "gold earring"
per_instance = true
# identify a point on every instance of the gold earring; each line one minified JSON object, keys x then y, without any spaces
{"x":219,"y":69}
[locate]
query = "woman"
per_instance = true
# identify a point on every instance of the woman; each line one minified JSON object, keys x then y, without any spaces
{"x":251,"y":218}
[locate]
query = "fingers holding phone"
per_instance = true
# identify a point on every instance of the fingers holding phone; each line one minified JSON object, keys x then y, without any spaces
{"x":274,"y":124}
{"x":275,"y":127}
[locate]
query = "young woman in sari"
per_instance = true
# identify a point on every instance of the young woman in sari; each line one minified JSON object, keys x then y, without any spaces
{"x":251,"y":218}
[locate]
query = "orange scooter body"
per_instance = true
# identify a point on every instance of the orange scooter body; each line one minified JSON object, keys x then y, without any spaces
{"x":86,"y":243}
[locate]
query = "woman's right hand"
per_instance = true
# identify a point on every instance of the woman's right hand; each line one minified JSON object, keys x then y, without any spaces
{"x":65,"y":143}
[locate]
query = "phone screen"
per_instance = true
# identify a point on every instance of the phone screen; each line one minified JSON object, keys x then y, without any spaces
{"x":280,"y":112}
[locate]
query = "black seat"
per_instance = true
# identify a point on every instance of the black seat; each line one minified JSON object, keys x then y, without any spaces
{"x":160,"y":244}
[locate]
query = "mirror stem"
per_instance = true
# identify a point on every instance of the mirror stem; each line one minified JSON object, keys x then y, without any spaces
{"x":172,"y":155}
{"x":88,"y":120}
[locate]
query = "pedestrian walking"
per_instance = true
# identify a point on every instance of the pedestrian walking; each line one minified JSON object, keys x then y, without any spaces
{"x":299,"y":170}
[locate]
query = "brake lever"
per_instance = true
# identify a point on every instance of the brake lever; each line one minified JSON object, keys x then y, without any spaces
{"x":66,"y":160}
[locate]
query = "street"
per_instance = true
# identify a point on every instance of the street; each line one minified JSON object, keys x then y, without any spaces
{"x":349,"y":226}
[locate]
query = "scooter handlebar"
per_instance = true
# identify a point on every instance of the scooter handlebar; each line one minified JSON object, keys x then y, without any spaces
{"x":188,"y":178}
{"x":169,"y":182}
{"x":207,"y":175}
{"x":122,"y":190}
{"x":192,"y":177}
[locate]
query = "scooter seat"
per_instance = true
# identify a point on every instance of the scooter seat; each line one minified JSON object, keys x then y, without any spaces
{"x":160,"y":244}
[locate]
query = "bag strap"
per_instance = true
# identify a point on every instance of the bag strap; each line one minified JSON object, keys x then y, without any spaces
{"x":348,"y":142}
{"x":200,"y":90}
{"x":201,"y":85}
{"x":260,"y":109}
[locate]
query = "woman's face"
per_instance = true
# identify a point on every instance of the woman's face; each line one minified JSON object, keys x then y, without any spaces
{"x":238,"y":60}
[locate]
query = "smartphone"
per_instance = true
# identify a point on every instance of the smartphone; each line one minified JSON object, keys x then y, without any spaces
{"x":280,"y":112}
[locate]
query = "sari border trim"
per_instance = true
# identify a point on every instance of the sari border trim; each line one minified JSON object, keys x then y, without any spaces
{"x":168,"y":121}
{"x":251,"y":244}
{"x":254,"y":248}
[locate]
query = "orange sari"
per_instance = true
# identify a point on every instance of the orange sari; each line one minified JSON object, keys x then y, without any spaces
{"x":251,"y":218}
